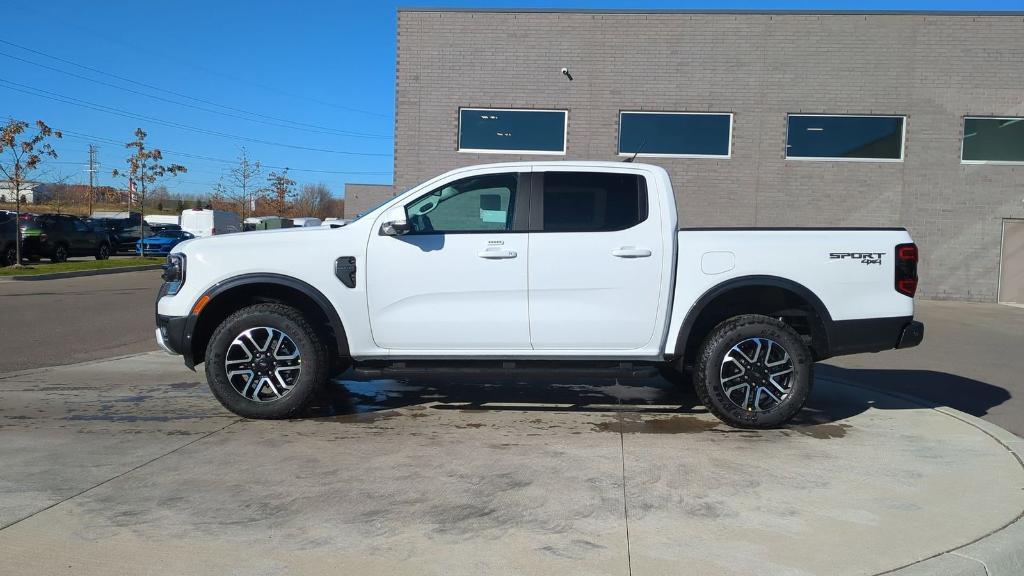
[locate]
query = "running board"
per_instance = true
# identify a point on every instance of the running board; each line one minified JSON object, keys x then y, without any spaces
{"x":378,"y":369}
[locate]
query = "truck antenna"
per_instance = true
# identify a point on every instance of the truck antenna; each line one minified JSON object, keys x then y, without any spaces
{"x":638,"y":150}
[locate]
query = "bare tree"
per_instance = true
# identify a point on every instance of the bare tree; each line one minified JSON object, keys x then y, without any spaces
{"x":20,"y":157}
{"x":281,"y":192}
{"x":144,"y":167}
{"x":245,"y":186}
{"x":161,"y":198}
{"x":313,"y":200}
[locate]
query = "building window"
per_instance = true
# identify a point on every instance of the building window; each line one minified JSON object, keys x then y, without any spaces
{"x":593,"y":201}
{"x":857,"y":138}
{"x":682,"y":134}
{"x":512,"y":131}
{"x":993,"y":140}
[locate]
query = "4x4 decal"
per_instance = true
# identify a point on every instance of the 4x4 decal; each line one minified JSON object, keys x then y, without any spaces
{"x":864,"y":257}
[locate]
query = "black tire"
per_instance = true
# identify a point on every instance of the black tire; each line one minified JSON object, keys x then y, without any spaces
{"x":10,"y":255}
{"x":740,"y":331}
{"x":60,"y":253}
{"x":103,"y":252}
{"x":314,"y":356}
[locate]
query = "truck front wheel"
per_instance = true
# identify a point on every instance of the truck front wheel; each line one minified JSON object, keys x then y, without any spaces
{"x":753,"y":371}
{"x":266,"y":361}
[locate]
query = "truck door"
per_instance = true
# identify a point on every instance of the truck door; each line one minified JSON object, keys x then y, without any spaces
{"x":596,"y":261}
{"x":457,"y":279}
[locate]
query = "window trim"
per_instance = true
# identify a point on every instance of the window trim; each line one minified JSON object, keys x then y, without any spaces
{"x":727,"y":156}
{"x":903,"y":139}
{"x":565,"y":133}
{"x":963,"y":132}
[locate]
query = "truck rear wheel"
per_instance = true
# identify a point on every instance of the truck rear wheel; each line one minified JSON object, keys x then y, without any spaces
{"x":266,"y":361}
{"x":753,"y":372}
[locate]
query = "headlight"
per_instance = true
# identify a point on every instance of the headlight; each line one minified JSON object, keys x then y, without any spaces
{"x":174,"y":273}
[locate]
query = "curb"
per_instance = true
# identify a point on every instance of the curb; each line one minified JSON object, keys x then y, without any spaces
{"x":79,"y":273}
{"x":998,"y":553}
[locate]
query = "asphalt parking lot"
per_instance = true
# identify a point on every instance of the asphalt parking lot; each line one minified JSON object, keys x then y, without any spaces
{"x":128,"y":465}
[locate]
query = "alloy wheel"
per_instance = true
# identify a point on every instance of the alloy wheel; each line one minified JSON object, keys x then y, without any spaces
{"x":263,"y":364}
{"x":756,"y":374}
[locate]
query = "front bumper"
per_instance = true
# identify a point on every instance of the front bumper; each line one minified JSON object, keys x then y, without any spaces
{"x":159,"y":250}
{"x":174,"y":336}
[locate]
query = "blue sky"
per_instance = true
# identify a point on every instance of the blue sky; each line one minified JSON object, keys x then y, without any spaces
{"x":307,"y":85}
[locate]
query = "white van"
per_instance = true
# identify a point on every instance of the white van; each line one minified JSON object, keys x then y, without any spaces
{"x":203,"y":222}
{"x":305,"y":222}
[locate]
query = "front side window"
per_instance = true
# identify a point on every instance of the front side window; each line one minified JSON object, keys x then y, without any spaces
{"x":593,"y":201}
{"x":475,"y":204}
{"x":513,"y":131}
{"x":675,"y":134}
{"x":820,"y":137}
{"x":993,"y":140}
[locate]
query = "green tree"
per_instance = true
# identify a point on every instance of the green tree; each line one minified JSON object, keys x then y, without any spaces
{"x":144,"y":167}
{"x":20,"y":156}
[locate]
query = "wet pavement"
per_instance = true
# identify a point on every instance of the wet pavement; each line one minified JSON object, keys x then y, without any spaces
{"x":130,"y":466}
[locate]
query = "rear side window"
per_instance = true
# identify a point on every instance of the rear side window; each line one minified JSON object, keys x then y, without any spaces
{"x":593,"y":201}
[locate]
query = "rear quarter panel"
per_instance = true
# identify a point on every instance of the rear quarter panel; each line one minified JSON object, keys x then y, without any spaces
{"x":824,"y":261}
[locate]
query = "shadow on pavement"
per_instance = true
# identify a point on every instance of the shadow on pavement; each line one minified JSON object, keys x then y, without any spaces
{"x":965,"y":394}
{"x":351,"y":396}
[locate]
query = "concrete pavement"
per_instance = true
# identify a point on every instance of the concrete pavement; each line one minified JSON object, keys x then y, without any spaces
{"x":129,"y":466}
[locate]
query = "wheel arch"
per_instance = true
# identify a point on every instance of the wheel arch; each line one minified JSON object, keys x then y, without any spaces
{"x":231,"y":295}
{"x":772,"y":296}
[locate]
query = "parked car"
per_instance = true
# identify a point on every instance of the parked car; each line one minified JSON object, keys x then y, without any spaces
{"x":60,"y":236}
{"x":556,"y":265}
{"x":123,"y":232}
{"x":202,"y":222}
{"x":8,"y":239}
{"x":161,"y":243}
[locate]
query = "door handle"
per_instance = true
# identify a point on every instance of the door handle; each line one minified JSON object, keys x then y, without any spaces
{"x":631,"y":252}
{"x":492,"y":254}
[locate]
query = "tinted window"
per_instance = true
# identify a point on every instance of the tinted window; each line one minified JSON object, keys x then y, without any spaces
{"x":80,"y":226}
{"x":593,"y":201}
{"x":512,"y":130}
{"x":675,"y":133}
{"x":475,"y":204}
{"x":993,"y":140}
{"x":845,"y":137}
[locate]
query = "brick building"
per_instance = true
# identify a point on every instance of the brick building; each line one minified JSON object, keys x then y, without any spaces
{"x":762,"y":119}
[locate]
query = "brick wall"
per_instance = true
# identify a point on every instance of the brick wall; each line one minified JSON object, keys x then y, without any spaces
{"x":362,"y":197}
{"x":932,"y":68}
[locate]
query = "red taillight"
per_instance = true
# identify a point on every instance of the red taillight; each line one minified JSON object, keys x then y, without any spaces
{"x":906,"y":269}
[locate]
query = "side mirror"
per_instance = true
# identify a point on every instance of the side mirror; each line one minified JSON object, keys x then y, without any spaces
{"x":395,"y":223}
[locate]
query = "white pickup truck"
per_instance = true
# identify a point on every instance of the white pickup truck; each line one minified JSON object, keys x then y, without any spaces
{"x":549,"y":265}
